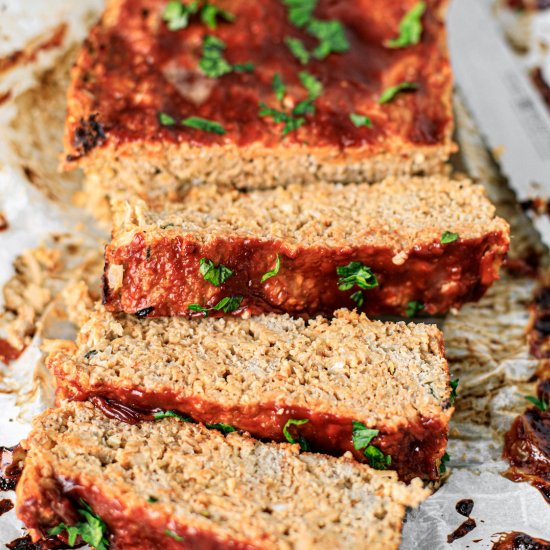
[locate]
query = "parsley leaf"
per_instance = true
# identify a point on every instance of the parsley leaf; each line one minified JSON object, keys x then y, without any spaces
{"x":151,"y":499}
{"x":298,"y":49}
{"x":273,"y":272}
{"x":414,"y":308}
{"x":449,"y":237}
{"x":300,"y":12}
{"x":331,"y":36}
{"x":360,"y":120}
{"x":173,"y":535}
{"x":172,"y":414}
{"x":166,"y":120}
{"x":90,"y":354}
{"x":228,"y":304}
{"x":443,"y":464}
{"x":291,"y":123}
{"x":454,"y":386}
{"x":213,"y":63}
{"x":311,"y":84}
{"x":539,"y":403}
{"x":91,"y":530}
{"x":304,"y":446}
{"x":410,"y":28}
{"x":215,"y":275}
{"x":203,"y":124}
{"x":376,"y":458}
{"x":176,"y":14}
{"x":355,"y":273}
{"x":361,"y":435}
{"x":389,"y":93}
{"x":209,"y":14}
{"x":358,"y":298}
{"x":224,"y":428}
{"x":278,"y":87}
{"x":243,"y":67}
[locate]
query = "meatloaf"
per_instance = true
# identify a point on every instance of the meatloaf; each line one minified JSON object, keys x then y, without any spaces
{"x":260,"y":373}
{"x":379,"y":102}
{"x":169,"y":484}
{"x":391,"y":248}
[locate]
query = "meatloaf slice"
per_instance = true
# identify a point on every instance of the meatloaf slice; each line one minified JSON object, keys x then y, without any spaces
{"x":398,"y":246}
{"x":169,"y":484}
{"x":137,"y":83}
{"x":257,"y":374}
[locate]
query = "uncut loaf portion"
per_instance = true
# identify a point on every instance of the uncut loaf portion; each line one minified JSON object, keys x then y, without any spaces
{"x":426,"y":244}
{"x":258,"y":374}
{"x":175,"y":485}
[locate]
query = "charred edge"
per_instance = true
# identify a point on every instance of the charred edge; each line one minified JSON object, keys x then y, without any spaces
{"x":87,"y":135}
{"x":520,"y":541}
{"x":12,"y":460}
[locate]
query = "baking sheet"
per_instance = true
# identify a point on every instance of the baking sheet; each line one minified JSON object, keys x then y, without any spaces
{"x":486,"y":342}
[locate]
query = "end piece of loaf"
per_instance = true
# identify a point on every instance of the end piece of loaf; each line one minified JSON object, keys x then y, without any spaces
{"x":172,"y":485}
{"x":432,"y":243}
{"x":256,"y":374}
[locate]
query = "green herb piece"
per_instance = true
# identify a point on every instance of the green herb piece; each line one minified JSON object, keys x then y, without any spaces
{"x":300,"y":12}
{"x":539,"y":403}
{"x":204,"y":124}
{"x":91,"y":530}
{"x":199,"y":308}
{"x":172,"y":414}
{"x":414,"y":308}
{"x":360,"y":120}
{"x":166,"y":120}
{"x":243,"y":67}
{"x":278,"y":87}
{"x":273,"y":272}
{"x":410,"y":28}
{"x":304,"y":446}
{"x":298,"y":49}
{"x":331,"y":36}
{"x":228,"y":304}
{"x":356,"y":273}
{"x":173,"y":535}
{"x":224,"y":428}
{"x":449,"y":237}
{"x":152,"y":499}
{"x":454,"y":386}
{"x":90,"y":354}
{"x":376,"y":458}
{"x":167,"y":226}
{"x":443,"y":465}
{"x":358,"y":298}
{"x":361,"y":435}
{"x":291,"y":123}
{"x":176,"y":14}
{"x":212,"y":62}
{"x":217,"y":275}
{"x":389,"y":93}
{"x":209,"y":13}
{"x":311,"y":84}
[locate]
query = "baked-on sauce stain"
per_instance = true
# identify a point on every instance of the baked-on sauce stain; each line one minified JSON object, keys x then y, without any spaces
{"x":520,"y":541}
{"x":462,"y":530}
{"x":465,"y":506}
{"x":11,"y":466}
{"x":5,"y":506}
{"x":49,"y":543}
{"x":7,"y":352}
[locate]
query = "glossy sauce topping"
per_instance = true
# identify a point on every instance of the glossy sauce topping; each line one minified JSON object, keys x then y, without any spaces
{"x":134,"y":67}
{"x":520,"y":541}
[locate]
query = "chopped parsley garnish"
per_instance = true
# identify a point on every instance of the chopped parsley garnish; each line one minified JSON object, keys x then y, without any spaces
{"x":172,"y":414}
{"x":304,"y":446}
{"x":362,"y":437}
{"x":539,"y":403}
{"x":449,"y":237}
{"x":224,"y":428}
{"x":152,"y":499}
{"x":298,"y":49}
{"x":360,"y":120}
{"x":358,"y":298}
{"x":213,"y":62}
{"x":227,"y":304}
{"x":356,"y":273}
{"x":454,"y":386}
{"x":291,"y":123}
{"x":300,"y":12}
{"x":274,"y":271}
{"x":443,"y":465}
{"x":91,"y":529}
{"x":176,"y":14}
{"x":209,"y":14}
{"x":278,"y":87}
{"x":166,"y":120}
{"x":414,"y":308}
{"x":331,"y":36}
{"x":311,"y":84}
{"x":410,"y":28}
{"x":204,"y":124}
{"x":217,"y":275}
{"x":90,"y":354}
{"x":173,"y":535}
{"x":389,"y":93}
{"x":243,"y":67}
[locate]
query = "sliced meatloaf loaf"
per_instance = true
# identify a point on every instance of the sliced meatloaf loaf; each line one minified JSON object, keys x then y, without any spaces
{"x":170,"y":485}
{"x":397,"y":246}
{"x":321,"y":381}
{"x":161,"y":99}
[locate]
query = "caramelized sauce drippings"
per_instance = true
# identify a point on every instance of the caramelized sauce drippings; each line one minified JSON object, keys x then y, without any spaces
{"x":11,"y":466}
{"x":462,"y":530}
{"x":464,"y":507}
{"x":5,"y":506}
{"x":520,"y":541}
{"x":7,"y":352}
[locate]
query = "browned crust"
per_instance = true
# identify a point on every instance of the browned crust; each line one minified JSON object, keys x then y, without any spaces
{"x":161,"y":277}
